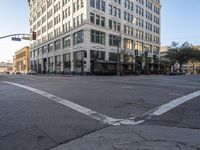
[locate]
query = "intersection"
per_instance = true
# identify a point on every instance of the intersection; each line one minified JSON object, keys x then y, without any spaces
{"x":62,"y":112}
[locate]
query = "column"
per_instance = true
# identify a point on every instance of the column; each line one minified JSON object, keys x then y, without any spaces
{"x":54,"y":64}
{"x":72,"y":61}
{"x":62,"y":65}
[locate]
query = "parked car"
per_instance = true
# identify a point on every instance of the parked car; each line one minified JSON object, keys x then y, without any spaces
{"x":31,"y":72}
{"x":17,"y":72}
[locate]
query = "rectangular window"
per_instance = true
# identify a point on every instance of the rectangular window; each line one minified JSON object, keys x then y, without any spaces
{"x":110,"y":24}
{"x":78,"y":37}
{"x":94,"y":55}
{"x":118,"y":26}
{"x":103,"y":21}
{"x":66,"y":62}
{"x":92,"y":3}
{"x":66,"y":41}
{"x":44,"y":49}
{"x":110,"y":9}
{"x":128,"y":44}
{"x":57,"y":45}
{"x":98,"y":37}
{"x":98,"y":4}
{"x":74,"y":7}
{"x":138,"y":46}
{"x":97,"y":20}
{"x":103,"y":6}
{"x":50,"y":47}
{"x":114,"y":40}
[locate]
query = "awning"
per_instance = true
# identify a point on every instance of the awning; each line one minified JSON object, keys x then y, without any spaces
{"x":113,"y":62}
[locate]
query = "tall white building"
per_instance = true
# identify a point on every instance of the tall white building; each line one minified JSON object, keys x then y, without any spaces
{"x":75,"y":36}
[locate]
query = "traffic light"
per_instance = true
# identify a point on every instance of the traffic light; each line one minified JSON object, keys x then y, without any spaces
{"x":33,"y":35}
{"x":136,"y":52}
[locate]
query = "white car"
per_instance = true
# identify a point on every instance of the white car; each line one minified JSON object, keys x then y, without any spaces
{"x":31,"y":72}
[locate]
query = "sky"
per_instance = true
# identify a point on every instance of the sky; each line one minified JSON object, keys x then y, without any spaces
{"x":180,"y":21}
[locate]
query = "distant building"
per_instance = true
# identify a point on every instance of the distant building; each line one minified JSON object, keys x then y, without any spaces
{"x":14,"y":63}
{"x":6,"y":67}
{"x":21,"y":60}
{"x":163,"y":50}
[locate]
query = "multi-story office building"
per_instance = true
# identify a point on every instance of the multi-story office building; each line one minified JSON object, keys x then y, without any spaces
{"x":75,"y":36}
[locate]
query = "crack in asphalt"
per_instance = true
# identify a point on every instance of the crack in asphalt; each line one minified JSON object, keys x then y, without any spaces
{"x":78,"y":137}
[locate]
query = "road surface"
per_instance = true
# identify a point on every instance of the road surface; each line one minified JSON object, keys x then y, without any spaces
{"x":98,"y":112}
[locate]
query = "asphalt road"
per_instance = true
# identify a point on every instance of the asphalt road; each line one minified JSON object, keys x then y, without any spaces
{"x":29,"y":120}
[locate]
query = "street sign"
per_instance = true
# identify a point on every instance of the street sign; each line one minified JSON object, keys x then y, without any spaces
{"x":16,"y":39}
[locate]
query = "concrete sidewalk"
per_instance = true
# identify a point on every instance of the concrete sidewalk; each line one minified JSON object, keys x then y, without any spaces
{"x":139,"y":137}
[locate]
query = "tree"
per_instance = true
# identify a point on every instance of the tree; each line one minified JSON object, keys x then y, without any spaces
{"x":195,"y":55}
{"x":138,"y":60}
{"x":165,"y":65}
{"x":174,"y":45}
{"x":147,"y":68}
{"x":172,"y":53}
{"x":186,"y":45}
{"x":184,"y":54}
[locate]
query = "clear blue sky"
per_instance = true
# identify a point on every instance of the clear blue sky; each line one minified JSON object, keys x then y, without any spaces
{"x":13,"y":19}
{"x":180,"y":22}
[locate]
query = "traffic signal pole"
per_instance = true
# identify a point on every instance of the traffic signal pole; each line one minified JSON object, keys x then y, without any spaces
{"x":20,"y":34}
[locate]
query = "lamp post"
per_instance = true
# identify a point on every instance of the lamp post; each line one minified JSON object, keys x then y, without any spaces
{"x":118,"y":54}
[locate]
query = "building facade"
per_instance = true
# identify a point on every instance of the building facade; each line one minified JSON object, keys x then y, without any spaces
{"x":76,"y":36}
{"x":6,"y":68}
{"x":21,"y":60}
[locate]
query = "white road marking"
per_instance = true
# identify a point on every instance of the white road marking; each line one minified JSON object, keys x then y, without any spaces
{"x":130,"y":122}
{"x":174,"y":103}
{"x":105,"y":119}
{"x":88,"y":112}
{"x":76,"y":107}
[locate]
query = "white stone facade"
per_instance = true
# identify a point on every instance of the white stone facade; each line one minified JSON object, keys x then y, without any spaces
{"x":68,"y":30}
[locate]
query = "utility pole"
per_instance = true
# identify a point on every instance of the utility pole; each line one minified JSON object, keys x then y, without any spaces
{"x":23,"y":36}
{"x":118,"y":54}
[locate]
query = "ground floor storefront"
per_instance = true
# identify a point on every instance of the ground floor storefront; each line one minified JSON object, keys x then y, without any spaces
{"x":92,"y":62}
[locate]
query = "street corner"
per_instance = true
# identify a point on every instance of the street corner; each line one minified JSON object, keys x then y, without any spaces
{"x":139,"y":137}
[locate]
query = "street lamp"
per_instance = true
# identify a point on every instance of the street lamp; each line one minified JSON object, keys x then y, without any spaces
{"x":118,"y":54}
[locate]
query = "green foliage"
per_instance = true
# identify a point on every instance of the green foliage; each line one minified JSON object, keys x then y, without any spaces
{"x":196,"y":55}
{"x":182,"y":54}
{"x":138,"y":59}
{"x":185,"y":53}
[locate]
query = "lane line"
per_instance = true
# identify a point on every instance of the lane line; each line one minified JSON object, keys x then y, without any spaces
{"x":83,"y":110}
{"x":106,"y":119}
{"x":174,"y":103}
